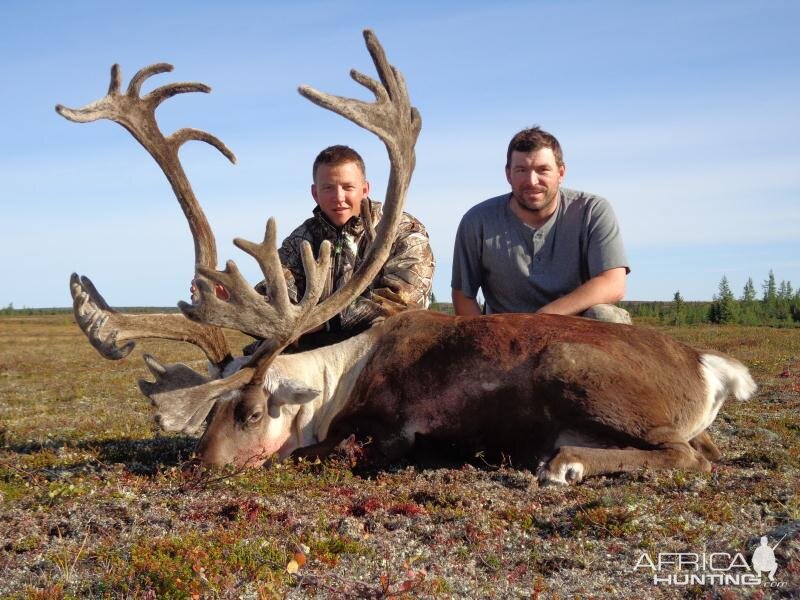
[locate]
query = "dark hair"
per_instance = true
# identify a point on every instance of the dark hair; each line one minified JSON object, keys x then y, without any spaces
{"x":533,"y":139}
{"x":337,"y":155}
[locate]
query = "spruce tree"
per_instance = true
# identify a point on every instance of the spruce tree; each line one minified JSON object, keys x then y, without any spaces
{"x":749,"y":292}
{"x":678,"y":308}
{"x":769,"y":288}
{"x":749,"y":313}
{"x":724,"y":308}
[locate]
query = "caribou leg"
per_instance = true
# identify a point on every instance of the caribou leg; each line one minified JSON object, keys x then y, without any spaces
{"x":703,"y":444}
{"x":572,"y":463}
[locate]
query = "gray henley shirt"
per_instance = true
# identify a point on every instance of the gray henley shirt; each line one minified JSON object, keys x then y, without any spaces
{"x":521,"y":269}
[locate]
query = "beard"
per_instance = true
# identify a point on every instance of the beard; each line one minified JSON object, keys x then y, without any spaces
{"x":544,"y":200}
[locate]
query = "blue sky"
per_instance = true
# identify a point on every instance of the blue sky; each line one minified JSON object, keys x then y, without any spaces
{"x":683,"y":114}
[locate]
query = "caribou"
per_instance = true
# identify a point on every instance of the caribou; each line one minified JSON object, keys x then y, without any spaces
{"x":571,"y":396}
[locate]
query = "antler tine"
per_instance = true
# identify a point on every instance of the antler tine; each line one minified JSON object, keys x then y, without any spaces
{"x":158,"y":95}
{"x":116,"y":80}
{"x":385,"y":70}
{"x":181,"y":136}
{"x":369,"y":223}
{"x":267,"y":256}
{"x":316,"y":273}
{"x":245,"y":309}
{"x":92,"y":314}
{"x":368,"y":82}
{"x":144,"y":73}
{"x":391,"y":117}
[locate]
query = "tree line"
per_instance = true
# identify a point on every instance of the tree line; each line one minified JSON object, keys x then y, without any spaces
{"x":777,"y":306}
{"x":9,"y":310}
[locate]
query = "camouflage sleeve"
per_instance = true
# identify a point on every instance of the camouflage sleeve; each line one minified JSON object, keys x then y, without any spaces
{"x":404,"y":282}
{"x":291,"y":259}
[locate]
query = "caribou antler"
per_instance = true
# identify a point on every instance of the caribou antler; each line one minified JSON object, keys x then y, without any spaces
{"x":103,"y":326}
{"x":182,"y":397}
{"x":113,"y":334}
{"x":137,"y":115}
{"x":392,"y":118}
{"x":273,"y":317}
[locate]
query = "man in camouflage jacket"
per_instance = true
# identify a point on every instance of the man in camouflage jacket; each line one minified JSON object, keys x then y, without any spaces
{"x":404,"y":281}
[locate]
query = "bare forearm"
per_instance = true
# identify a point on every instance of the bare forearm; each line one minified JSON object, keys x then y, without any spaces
{"x":606,"y":288}
{"x":464,"y":306}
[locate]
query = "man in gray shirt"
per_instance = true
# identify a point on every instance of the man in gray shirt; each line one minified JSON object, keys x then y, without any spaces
{"x":541,"y":248}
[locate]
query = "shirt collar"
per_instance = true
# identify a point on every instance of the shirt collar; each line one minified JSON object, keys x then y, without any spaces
{"x":544,"y":227}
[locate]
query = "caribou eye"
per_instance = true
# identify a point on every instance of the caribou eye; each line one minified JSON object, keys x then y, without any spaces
{"x":248,"y":412}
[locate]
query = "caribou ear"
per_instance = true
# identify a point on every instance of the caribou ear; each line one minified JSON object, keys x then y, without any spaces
{"x":288,"y":391}
{"x":292,"y":391}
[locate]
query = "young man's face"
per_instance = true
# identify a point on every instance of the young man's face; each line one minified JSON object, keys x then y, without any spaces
{"x":338,"y":190}
{"x":534,"y":178}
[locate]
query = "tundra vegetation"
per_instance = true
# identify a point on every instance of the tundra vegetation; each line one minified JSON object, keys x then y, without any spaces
{"x":95,"y":502}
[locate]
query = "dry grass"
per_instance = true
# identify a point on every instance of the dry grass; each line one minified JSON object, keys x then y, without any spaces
{"x":94,"y":503}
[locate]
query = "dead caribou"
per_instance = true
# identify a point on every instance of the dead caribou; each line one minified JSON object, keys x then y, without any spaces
{"x":585,"y":396}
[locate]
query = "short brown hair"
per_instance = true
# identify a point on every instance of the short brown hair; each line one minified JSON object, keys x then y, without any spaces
{"x":337,"y":155}
{"x":533,"y":139}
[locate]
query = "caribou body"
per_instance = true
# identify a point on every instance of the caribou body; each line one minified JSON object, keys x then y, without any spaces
{"x":579,"y":396}
{"x":582,"y":396}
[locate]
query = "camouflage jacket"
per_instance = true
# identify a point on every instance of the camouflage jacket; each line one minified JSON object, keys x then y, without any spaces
{"x":403,"y":282}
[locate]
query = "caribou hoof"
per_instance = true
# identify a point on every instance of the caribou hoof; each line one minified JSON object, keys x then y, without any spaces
{"x":559,"y":473}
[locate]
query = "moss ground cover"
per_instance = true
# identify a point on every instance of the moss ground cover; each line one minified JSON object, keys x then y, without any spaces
{"x":94,"y":502}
